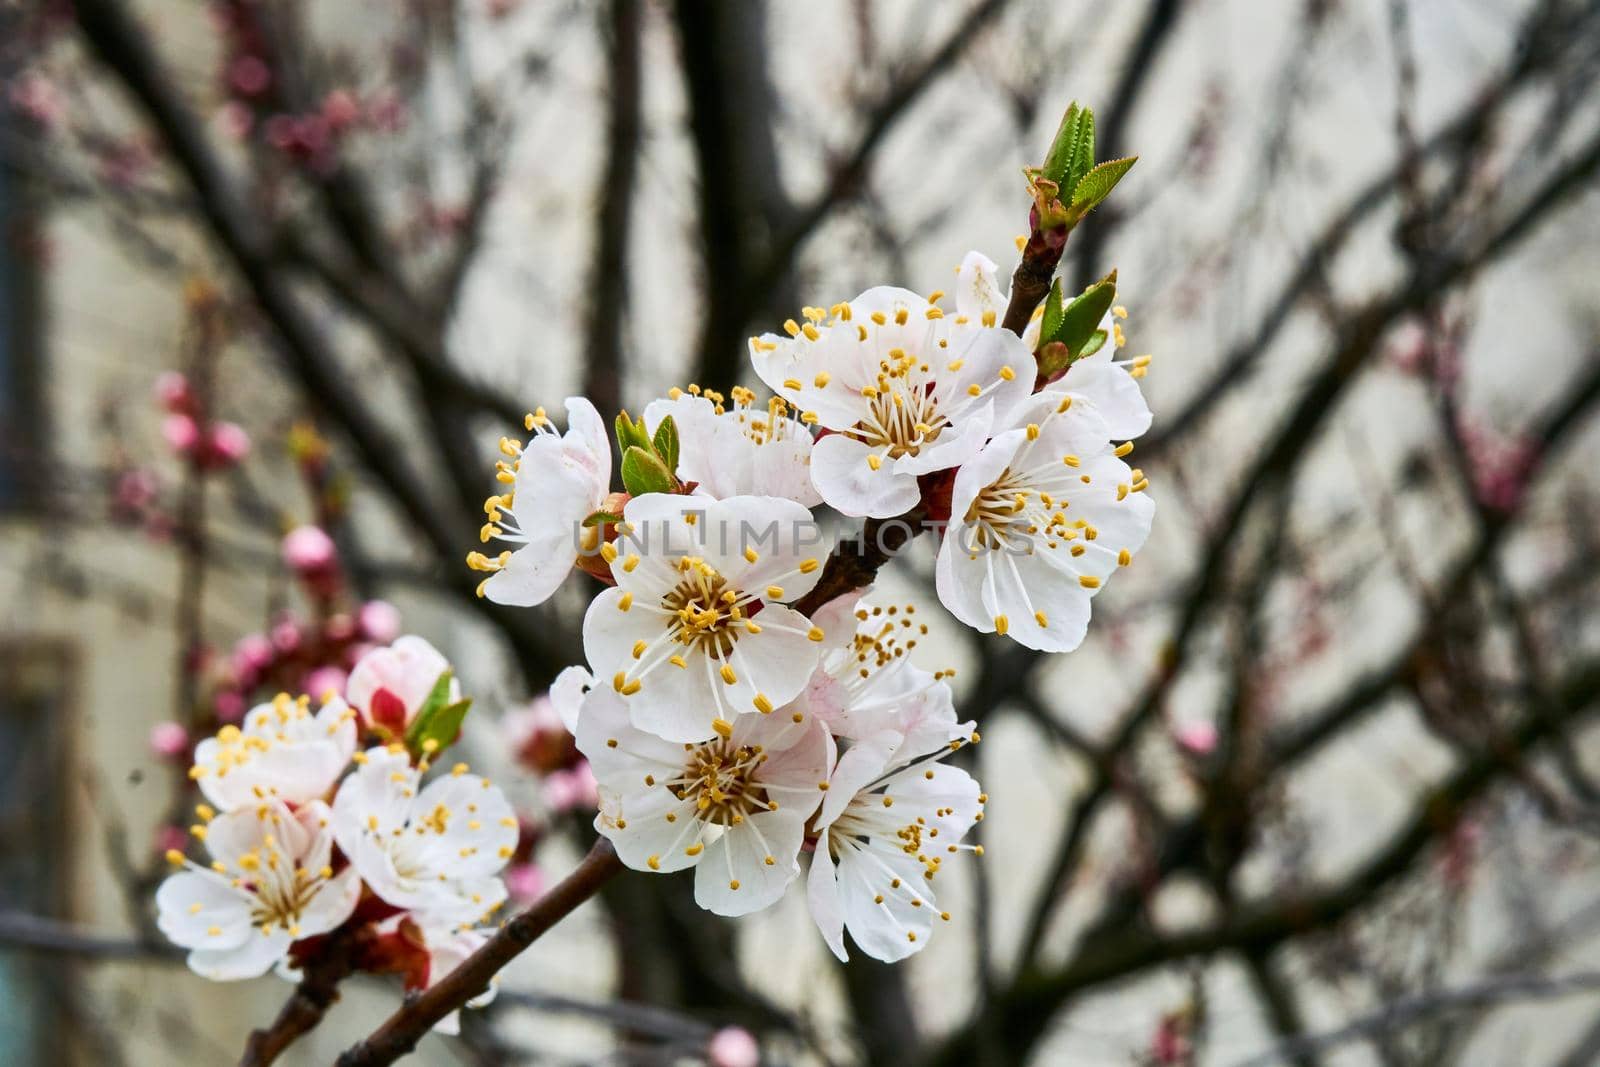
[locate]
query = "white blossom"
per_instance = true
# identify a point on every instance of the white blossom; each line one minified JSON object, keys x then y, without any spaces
{"x":734,"y":807}
{"x":389,"y":685}
{"x":436,"y":849}
{"x":906,"y":391}
{"x":556,"y":481}
{"x":1111,"y":384}
{"x":1038,"y":521}
{"x":741,"y":450}
{"x":695,"y":631}
{"x":448,"y":947}
{"x":271,"y":884}
{"x":282,"y":752}
{"x":893,"y":812}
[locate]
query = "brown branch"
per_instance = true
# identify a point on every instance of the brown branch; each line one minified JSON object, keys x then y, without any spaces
{"x":315,"y":993}
{"x":608,"y":286}
{"x":21,"y":930}
{"x":401,"y":1032}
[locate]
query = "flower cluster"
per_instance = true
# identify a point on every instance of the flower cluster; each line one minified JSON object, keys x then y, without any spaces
{"x":732,"y":722}
{"x":310,"y":834}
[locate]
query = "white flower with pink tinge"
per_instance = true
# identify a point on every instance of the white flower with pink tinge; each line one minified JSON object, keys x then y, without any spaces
{"x":734,"y":807}
{"x":891,"y":816}
{"x":1039,"y":520}
{"x":906,"y":390}
{"x":556,"y":481}
{"x":270,"y":885}
{"x":1111,"y":384}
{"x":740,"y":450}
{"x":282,"y":752}
{"x":388,"y":686}
{"x":695,"y":633}
{"x":435,"y":849}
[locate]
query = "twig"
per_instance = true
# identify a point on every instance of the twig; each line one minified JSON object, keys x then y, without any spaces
{"x":22,"y":930}
{"x":316,"y":992}
{"x":1402,"y":1013}
{"x":401,"y":1032}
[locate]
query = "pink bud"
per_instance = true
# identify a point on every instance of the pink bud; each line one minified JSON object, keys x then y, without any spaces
{"x":249,"y":75}
{"x":181,"y":433}
{"x":171,"y":839}
{"x":309,"y":550}
{"x":135,"y":491}
{"x":324,"y":682}
{"x":230,"y":444}
{"x":379,"y":621}
{"x":252,"y":654}
{"x":229,"y":705}
{"x":1196,"y":738}
{"x":340,"y":110}
{"x":236,"y":120}
{"x":574,"y":789}
{"x":286,"y":636}
{"x":525,"y":882}
{"x":173,"y":393}
{"x":169,"y":740}
{"x":733,"y":1046}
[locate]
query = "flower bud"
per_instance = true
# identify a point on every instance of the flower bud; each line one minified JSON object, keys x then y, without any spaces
{"x":228,"y":446}
{"x":379,"y":621}
{"x":324,"y":681}
{"x":169,"y":740}
{"x":733,"y":1046}
{"x":181,"y":433}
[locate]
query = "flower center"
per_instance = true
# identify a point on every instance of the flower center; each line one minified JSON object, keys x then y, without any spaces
{"x":903,"y":413}
{"x":722,"y":781}
{"x":705,"y":613}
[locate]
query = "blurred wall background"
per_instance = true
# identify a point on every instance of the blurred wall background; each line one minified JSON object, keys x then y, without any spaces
{"x":1326,"y":749}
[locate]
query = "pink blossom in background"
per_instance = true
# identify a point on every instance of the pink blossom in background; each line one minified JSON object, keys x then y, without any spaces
{"x":249,"y":75}
{"x":324,"y":680}
{"x":170,"y":838}
{"x":379,"y":621}
{"x":573,"y":789}
{"x":733,"y":1046}
{"x":1195,"y":738}
{"x":37,"y":99}
{"x":135,"y":490}
{"x":286,"y":636}
{"x":340,"y":110}
{"x":169,"y":740}
{"x":236,"y":120}
{"x":180,"y":433}
{"x":229,"y":705}
{"x":525,"y":882}
{"x":173,"y":392}
{"x":309,"y":550}
{"x":229,"y":444}
{"x":253,"y":654}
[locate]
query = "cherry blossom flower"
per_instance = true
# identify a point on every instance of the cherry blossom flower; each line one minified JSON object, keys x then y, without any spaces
{"x":270,"y":885}
{"x":738,"y":451}
{"x":282,"y":752}
{"x":695,"y":631}
{"x":1099,"y":377}
{"x":436,"y":849}
{"x":906,"y":390}
{"x":448,"y":948}
{"x":556,"y":481}
{"x":891,"y":815}
{"x":733,"y":1046}
{"x":388,"y":686}
{"x":1039,"y":520}
{"x":734,"y":807}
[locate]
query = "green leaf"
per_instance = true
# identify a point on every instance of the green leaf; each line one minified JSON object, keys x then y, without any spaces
{"x":1058,"y":160}
{"x":1096,"y":185}
{"x":1095,"y":341}
{"x":1052,"y":312}
{"x":631,"y":434}
{"x":643,"y":473}
{"x":601,"y":518}
{"x":1082,"y":150}
{"x":666,"y":443}
{"x":441,"y":728}
{"x":438,"y":700}
{"x":1080,"y":320}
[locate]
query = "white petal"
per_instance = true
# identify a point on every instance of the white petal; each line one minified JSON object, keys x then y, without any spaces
{"x":978,"y":288}
{"x":849,"y":483}
{"x":860,"y":765}
{"x":638,"y":826}
{"x":567,"y":694}
{"x":884,"y":930}
{"x":333,"y":903}
{"x":1115,"y":394}
{"x":822,"y":894}
{"x":222,"y":908}
{"x":535,"y":570}
{"x":480,"y":827}
{"x":253,"y":957}
{"x":740,"y":857}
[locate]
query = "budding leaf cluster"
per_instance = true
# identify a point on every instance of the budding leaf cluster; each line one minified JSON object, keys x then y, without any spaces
{"x":438,"y":720}
{"x":1070,"y":331}
{"x":1071,"y":184}
{"x":647,"y":462}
